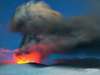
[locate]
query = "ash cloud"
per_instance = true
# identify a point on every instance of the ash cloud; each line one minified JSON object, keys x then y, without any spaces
{"x":64,"y":33}
{"x":32,"y":16}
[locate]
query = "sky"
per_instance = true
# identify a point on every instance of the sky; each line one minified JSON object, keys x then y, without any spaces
{"x":7,"y":8}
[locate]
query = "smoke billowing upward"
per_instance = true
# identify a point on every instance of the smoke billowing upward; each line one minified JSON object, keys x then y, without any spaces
{"x":51,"y":27}
{"x":35,"y":16}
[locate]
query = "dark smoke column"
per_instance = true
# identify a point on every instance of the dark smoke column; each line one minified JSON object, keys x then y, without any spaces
{"x":34,"y":17}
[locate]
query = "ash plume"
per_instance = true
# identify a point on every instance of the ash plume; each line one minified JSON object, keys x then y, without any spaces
{"x":38,"y":18}
{"x":35,"y":15}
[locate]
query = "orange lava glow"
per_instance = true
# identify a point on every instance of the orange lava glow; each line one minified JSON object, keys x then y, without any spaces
{"x":35,"y":54}
{"x":24,"y":58}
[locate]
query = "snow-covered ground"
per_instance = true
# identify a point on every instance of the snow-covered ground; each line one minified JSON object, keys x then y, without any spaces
{"x":33,"y":70}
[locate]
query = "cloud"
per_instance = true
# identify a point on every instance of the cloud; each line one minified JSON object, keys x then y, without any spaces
{"x":34,"y":15}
